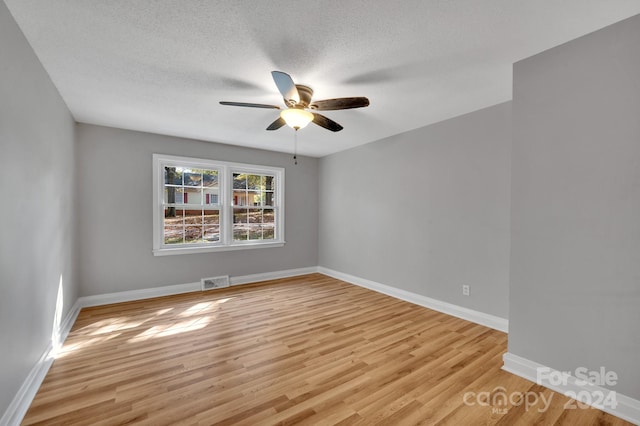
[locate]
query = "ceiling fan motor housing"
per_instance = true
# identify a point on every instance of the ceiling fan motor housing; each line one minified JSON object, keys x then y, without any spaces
{"x":305,"y":93}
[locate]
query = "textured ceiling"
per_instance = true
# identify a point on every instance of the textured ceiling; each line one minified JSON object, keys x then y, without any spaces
{"x":163,"y":66}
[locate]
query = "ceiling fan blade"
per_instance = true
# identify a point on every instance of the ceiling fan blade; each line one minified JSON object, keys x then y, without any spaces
{"x":244,"y":104}
{"x":276,"y":124}
{"x":340,"y":103}
{"x":286,"y":86}
{"x":327,"y":123}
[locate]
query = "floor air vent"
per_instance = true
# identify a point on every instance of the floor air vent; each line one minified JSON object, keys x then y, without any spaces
{"x":215,"y":282}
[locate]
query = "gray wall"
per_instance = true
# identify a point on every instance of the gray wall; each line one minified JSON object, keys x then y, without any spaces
{"x":37,"y":214}
{"x":575,"y":260}
{"x":425,"y":211}
{"x":115,"y":214}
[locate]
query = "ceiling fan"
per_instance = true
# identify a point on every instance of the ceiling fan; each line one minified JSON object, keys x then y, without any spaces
{"x":299,"y":108}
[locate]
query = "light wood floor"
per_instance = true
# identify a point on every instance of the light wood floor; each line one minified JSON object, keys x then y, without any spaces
{"x":309,"y":350}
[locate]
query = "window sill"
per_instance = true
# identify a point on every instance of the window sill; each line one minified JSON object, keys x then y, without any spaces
{"x":192,"y":250}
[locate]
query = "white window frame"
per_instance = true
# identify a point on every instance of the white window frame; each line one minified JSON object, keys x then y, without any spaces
{"x":225,"y":206}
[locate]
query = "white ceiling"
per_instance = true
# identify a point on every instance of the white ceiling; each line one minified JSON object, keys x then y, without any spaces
{"x":163,"y":66}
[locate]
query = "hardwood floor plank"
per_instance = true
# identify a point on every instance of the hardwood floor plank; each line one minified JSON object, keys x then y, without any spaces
{"x":303,"y":350}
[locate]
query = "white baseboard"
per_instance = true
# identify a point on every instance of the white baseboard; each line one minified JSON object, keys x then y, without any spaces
{"x":147,"y":293}
{"x":491,"y":321}
{"x":626,"y":408}
{"x":131,"y":295}
{"x":69,"y":320}
{"x":254,"y":278}
{"x":18,"y":407}
{"x":20,"y":404}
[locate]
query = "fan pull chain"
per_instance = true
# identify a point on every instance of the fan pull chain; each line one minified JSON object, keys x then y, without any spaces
{"x":295,"y":147}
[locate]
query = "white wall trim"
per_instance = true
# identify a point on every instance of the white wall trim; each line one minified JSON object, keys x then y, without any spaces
{"x":491,"y":321}
{"x":131,"y":295}
{"x":147,"y":293}
{"x":626,"y":408}
{"x":20,"y":404}
{"x":22,"y":400}
{"x":69,"y":320}
{"x":246,"y":279}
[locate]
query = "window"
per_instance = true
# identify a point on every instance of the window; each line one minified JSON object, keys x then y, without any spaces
{"x":205,"y":205}
{"x":253,"y":207}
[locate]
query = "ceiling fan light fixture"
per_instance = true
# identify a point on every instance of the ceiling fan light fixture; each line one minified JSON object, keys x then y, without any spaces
{"x":296,"y":118}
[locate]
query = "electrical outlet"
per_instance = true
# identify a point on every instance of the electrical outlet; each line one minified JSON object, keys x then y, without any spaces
{"x":465,"y":290}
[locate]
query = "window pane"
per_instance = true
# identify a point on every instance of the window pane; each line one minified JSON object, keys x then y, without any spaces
{"x":211,"y":217}
{"x":239,"y":181}
{"x":173,"y":234}
{"x":268,"y":231}
{"x":193,"y":217}
{"x":254,"y":198}
{"x":255,"y":224}
{"x":268,"y":198}
{"x":193,"y":196}
{"x":255,"y":231}
{"x":193,"y":178}
{"x":240,"y":234}
{"x":177,"y":195}
{"x":211,"y":196}
{"x":193,"y":234}
{"x":173,"y":225}
{"x":240,"y":231}
{"x":254,"y":181}
{"x":269,"y":183}
{"x":268,"y":216}
{"x":210,"y":178}
{"x":239,"y":198}
{"x":254,"y":216}
{"x":212,"y":233}
{"x":173,"y":195}
{"x":172,"y":175}
{"x":239,"y":215}
{"x":173,"y":216}
{"x":240,"y":227}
